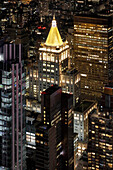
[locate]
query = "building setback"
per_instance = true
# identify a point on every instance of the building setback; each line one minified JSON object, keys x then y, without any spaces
{"x":54,"y":65}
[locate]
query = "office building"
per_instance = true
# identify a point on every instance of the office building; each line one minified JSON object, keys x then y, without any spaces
{"x":54,"y":65}
{"x":51,"y":60}
{"x":46,"y":147}
{"x":93,"y":53}
{"x":12,"y":102}
{"x":67,"y":131}
{"x":54,"y":135}
{"x":81,"y":113}
{"x":100,"y":146}
{"x":83,"y":162}
{"x":32,"y":84}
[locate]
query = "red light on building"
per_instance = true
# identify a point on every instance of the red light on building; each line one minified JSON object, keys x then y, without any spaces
{"x":39,"y":27}
{"x":43,"y":92}
{"x":43,"y":28}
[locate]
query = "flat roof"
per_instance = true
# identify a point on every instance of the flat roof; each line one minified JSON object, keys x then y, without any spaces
{"x":83,"y":106}
{"x":70,"y":71}
{"x":93,"y":19}
{"x":51,"y":89}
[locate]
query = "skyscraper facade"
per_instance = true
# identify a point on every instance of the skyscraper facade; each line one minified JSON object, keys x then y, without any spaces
{"x":53,"y":58}
{"x":81,"y":113}
{"x":54,"y":135}
{"x":12,"y":101}
{"x":54,"y":65}
{"x":100,"y":146}
{"x":93,"y":52}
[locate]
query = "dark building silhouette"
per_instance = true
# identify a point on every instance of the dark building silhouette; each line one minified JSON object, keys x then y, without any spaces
{"x":54,"y":135}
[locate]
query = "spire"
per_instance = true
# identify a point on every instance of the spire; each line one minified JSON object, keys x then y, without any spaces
{"x":54,"y":38}
{"x":54,"y":17}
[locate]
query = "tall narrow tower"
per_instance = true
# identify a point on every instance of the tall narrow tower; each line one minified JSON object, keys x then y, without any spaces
{"x":54,"y":62}
{"x":12,"y":115}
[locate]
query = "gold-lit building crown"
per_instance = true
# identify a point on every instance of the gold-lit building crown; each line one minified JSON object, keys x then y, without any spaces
{"x":26,"y":1}
{"x":54,"y":38}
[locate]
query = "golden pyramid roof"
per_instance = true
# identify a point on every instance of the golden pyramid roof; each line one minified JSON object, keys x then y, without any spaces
{"x":54,"y":38}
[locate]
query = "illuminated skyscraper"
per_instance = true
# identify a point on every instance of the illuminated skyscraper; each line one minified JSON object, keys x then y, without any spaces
{"x":32,"y":88}
{"x":81,"y":113}
{"x":100,"y":147}
{"x":54,"y":63}
{"x":12,"y":101}
{"x":93,"y":52}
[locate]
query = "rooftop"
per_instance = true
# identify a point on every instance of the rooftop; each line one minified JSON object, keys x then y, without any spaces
{"x":108,"y":90}
{"x":84,"y":106}
{"x":71,"y":71}
{"x":51,"y":89}
{"x":54,"y":38}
